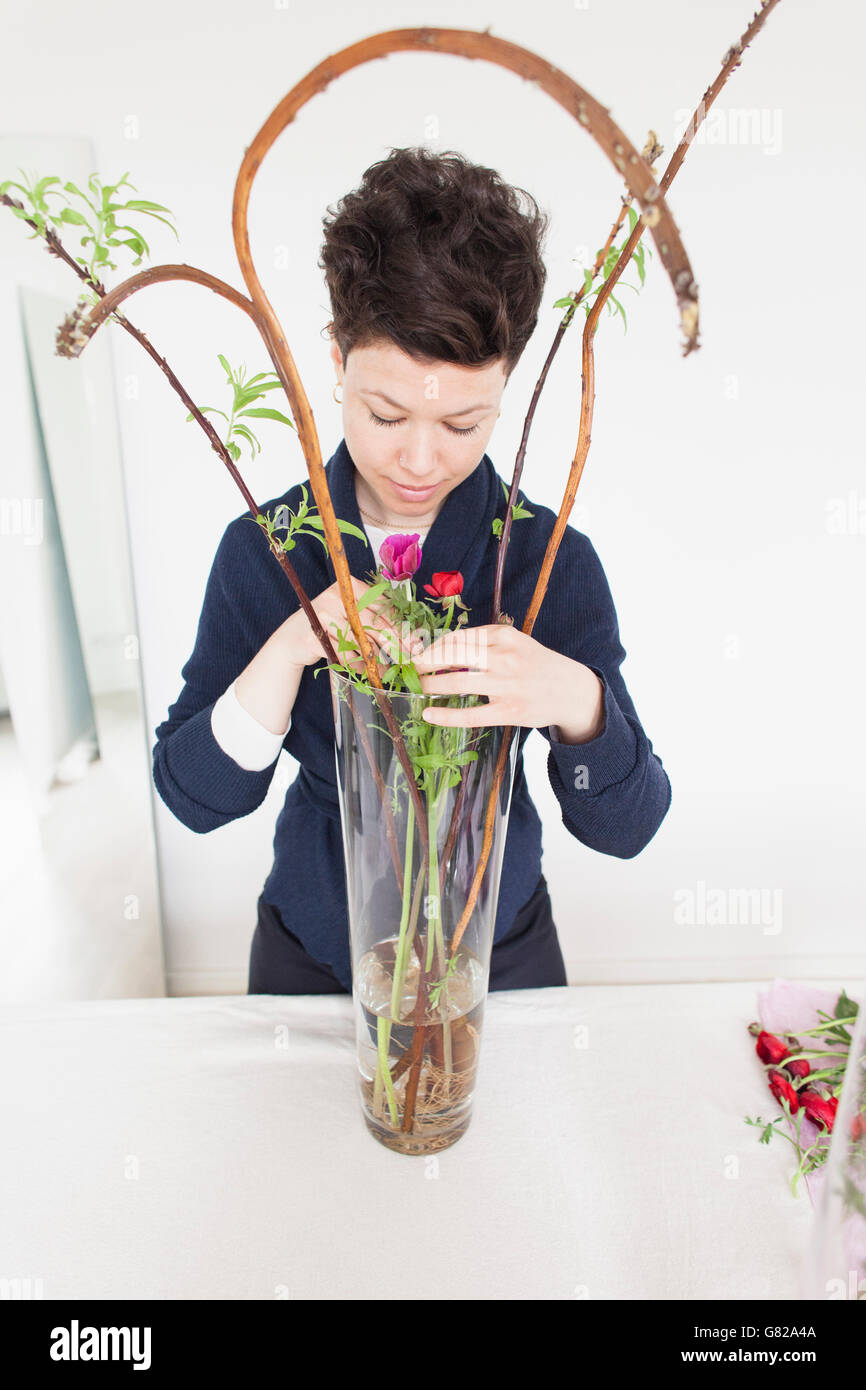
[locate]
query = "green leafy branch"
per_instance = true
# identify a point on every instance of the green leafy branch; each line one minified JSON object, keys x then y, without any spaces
{"x":591,"y":290}
{"x":304,"y":522}
{"x":243,"y":394}
{"x":518,"y":510}
{"x":97,"y":215}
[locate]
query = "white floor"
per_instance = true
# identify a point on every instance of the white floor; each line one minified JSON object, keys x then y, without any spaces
{"x":79,"y":901}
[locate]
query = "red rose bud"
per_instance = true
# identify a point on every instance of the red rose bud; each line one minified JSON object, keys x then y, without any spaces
{"x":799,"y":1067}
{"x":770,"y":1048}
{"x":783,"y":1090}
{"x":445,"y":584}
{"x":858,"y":1127}
{"x":821,"y":1110}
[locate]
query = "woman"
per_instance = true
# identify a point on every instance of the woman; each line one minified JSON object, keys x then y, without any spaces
{"x":435,"y":276}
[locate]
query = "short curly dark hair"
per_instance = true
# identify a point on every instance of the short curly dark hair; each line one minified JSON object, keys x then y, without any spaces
{"x":437,"y":255}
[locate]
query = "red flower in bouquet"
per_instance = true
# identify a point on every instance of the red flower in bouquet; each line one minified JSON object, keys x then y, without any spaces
{"x":799,"y":1067}
{"x":783,"y":1090}
{"x":858,"y":1127}
{"x":821,"y":1110}
{"x":770,"y":1048}
{"x":446,"y":583}
{"x":400,"y":556}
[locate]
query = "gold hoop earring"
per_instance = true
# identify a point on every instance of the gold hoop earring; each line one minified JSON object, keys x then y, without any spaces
{"x":338,"y":399}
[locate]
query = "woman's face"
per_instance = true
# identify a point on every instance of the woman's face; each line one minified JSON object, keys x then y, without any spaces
{"x":438,"y":419}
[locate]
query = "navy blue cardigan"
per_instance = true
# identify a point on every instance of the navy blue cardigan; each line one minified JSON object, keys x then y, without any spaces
{"x":616,"y":807}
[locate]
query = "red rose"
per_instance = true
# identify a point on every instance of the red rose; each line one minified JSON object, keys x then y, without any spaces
{"x":799,"y":1067}
{"x":783,"y":1090}
{"x":858,"y":1127}
{"x":770,"y":1048}
{"x":445,"y":584}
{"x":821,"y":1110}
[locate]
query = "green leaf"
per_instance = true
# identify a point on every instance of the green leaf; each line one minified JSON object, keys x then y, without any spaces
{"x":613,"y":300}
{"x":39,"y":190}
{"x":225,"y":365}
{"x":318,"y":538}
{"x":142,"y":205}
{"x":264,"y":414}
{"x":70,"y":215}
{"x":256,"y":387}
{"x":248,"y":436}
{"x":372,"y":594}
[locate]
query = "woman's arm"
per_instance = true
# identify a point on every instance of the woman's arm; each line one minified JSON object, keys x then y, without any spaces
{"x":612,"y":789}
{"x":202,"y":785}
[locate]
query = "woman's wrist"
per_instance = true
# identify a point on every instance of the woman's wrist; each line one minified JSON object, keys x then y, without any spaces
{"x":268,"y":687}
{"x":583,"y":719}
{"x":291,"y":638}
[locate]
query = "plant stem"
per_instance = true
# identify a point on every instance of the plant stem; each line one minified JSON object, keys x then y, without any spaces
{"x":825,"y":1027}
{"x":434,"y":918}
{"x":402,"y":951}
{"x":383,"y":1035}
{"x":435,"y":932}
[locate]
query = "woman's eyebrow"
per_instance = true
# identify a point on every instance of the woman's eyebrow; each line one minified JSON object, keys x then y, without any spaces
{"x":467,"y":410}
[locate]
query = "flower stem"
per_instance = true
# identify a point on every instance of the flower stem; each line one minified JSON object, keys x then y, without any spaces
{"x":383,"y":1032}
{"x":402,"y":951}
{"x":435,"y":933}
{"x":433,"y":902}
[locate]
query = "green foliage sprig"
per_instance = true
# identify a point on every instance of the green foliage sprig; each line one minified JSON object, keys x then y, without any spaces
{"x":304,"y":522}
{"x":243,"y":394}
{"x":518,"y":510}
{"x":591,"y":290}
{"x":97,"y":215}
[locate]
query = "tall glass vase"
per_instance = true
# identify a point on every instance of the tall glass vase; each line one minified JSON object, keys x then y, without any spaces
{"x":835,"y":1267}
{"x":420,"y":955}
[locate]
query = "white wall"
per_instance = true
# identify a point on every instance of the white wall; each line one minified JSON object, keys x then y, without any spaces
{"x":712,"y":482}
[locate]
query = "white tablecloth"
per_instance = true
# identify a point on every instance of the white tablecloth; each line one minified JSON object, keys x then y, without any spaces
{"x":203,"y":1148}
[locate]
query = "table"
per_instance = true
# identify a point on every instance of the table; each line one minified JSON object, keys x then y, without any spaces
{"x":205,"y":1148}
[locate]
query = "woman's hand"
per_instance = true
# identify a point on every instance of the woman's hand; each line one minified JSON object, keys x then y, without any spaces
{"x":303,"y":646}
{"x":527,"y":685}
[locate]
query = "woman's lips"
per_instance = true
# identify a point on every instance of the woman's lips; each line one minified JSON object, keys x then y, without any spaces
{"x":412,"y":492}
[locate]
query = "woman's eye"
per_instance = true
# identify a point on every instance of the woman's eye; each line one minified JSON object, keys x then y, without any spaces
{"x":453,"y":428}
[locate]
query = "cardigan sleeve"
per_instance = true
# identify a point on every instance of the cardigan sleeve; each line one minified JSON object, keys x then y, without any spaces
{"x":200,"y":782}
{"x":613,"y":791}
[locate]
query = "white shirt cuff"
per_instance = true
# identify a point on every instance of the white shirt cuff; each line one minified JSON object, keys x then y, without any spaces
{"x":241,"y":736}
